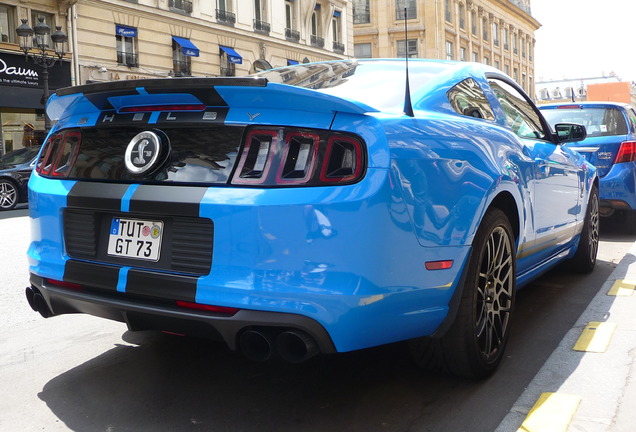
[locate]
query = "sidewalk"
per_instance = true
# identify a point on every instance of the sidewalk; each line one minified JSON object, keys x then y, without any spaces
{"x":592,"y":388}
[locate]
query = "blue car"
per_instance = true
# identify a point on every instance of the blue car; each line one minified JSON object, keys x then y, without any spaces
{"x":610,"y":146}
{"x":316,"y":208}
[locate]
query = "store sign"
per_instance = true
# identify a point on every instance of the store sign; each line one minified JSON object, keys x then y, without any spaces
{"x":17,"y":71}
{"x":16,"y":74}
{"x":125,"y":31}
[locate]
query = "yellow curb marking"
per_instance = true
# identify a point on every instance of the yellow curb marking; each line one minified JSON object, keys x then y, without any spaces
{"x":622,"y":288}
{"x":552,"y":413}
{"x":595,"y":337}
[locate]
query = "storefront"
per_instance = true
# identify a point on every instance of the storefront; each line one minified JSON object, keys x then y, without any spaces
{"x":22,"y":99}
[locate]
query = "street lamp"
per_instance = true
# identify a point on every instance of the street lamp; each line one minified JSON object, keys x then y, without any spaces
{"x":36,"y":48}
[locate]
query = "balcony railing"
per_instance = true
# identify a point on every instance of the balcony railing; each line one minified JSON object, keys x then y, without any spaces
{"x":292,"y":35}
{"x":181,"y":5}
{"x":317,"y":41}
{"x":225,"y":17}
{"x":127,"y":59}
{"x":261,"y":26}
{"x":338,"y":47}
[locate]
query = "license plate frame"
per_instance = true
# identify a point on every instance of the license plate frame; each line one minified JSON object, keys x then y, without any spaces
{"x":134,"y":238}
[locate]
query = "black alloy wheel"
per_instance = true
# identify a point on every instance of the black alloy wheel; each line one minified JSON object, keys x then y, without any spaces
{"x":8,"y":195}
{"x":474,"y":345}
{"x":584,"y":259}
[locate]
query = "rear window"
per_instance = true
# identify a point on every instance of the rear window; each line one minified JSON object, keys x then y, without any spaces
{"x":598,"y":121}
{"x":378,"y":84}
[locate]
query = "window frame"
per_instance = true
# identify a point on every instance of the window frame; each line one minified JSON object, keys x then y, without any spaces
{"x":126,"y":49}
{"x":541,"y":128}
{"x":8,"y":14}
{"x":179,"y":58}
{"x":407,"y":48}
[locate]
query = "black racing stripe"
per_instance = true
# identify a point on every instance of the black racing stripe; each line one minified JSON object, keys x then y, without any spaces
{"x":93,"y":275}
{"x":97,"y":196}
{"x":215,"y":115}
{"x":207,"y":95}
{"x":170,"y":200}
{"x":161,"y":285}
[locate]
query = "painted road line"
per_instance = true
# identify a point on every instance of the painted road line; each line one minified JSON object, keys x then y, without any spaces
{"x":595,"y":337}
{"x":552,"y":413}
{"x":622,"y":288}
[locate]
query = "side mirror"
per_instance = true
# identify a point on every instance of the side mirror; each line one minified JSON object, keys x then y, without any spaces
{"x":569,"y":132}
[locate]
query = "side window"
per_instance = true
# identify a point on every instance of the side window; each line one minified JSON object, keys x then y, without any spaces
{"x":520,"y":115}
{"x":632,"y":118}
{"x":468,"y":99}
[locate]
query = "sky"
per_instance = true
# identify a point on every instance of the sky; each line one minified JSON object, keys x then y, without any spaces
{"x":585,"y":39}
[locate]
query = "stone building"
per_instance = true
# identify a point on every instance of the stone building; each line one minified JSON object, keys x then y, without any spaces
{"x":496,"y":32}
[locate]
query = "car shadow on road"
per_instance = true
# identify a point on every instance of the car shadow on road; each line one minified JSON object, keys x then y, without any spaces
{"x":160,"y":382}
{"x":19,"y":211}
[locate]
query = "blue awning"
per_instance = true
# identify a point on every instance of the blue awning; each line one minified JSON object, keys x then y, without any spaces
{"x":121,"y":30}
{"x":291,"y":62}
{"x":232,"y":55}
{"x":187,"y":47}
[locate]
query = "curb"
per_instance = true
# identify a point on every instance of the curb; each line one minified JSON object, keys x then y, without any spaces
{"x":592,"y":388}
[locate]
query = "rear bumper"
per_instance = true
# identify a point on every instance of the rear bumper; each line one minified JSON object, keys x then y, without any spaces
{"x":617,"y":189}
{"x":140,"y":315}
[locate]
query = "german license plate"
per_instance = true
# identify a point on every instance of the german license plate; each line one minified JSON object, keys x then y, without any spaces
{"x":135,"y":238}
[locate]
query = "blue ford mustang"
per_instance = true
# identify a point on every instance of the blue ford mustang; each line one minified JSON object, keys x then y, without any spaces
{"x":316,"y":208}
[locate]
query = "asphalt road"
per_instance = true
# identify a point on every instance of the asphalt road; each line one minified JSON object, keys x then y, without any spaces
{"x":87,"y":374}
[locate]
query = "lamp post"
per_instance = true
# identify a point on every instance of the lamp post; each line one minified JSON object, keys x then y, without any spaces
{"x":36,"y":48}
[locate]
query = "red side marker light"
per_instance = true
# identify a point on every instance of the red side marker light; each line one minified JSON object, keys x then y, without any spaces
{"x":438,"y":265}
{"x":62,"y":284}
{"x":208,"y":308}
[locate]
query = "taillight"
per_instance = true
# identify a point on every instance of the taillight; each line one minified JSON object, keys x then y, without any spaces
{"x":299,"y":157}
{"x":627,"y":152}
{"x":59,"y":154}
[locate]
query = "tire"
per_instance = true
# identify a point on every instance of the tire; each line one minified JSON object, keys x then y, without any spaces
{"x":474,"y":345}
{"x":584,"y":258}
{"x":8,"y":195}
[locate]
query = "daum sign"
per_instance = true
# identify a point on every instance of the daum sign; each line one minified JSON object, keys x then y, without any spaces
{"x":17,"y":75}
{"x":16,"y":71}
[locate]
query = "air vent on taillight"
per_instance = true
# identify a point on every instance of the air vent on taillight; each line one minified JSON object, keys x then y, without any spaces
{"x":255,"y":160}
{"x":279,"y":156}
{"x":59,"y":154}
{"x":343,"y":161}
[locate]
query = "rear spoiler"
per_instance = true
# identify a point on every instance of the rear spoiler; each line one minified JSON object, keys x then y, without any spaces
{"x":163,"y":84}
{"x":227,"y":92}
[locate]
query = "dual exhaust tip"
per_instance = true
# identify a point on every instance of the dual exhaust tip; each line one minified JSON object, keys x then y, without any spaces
{"x":294,"y":346}
{"x":37,"y":302}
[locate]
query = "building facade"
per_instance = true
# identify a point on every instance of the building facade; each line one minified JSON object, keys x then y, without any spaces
{"x":111,"y":40}
{"x":495,"y":32}
{"x":21,"y":84}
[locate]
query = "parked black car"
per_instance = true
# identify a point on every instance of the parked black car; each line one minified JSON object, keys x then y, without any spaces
{"x":15,"y":170}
